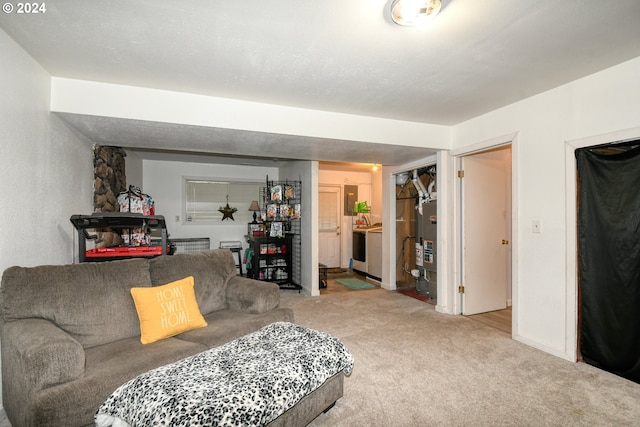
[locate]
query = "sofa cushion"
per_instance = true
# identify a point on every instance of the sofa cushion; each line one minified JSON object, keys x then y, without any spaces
{"x":211,"y":271}
{"x":107,"y":367}
{"x":89,"y":301}
{"x":227,"y":325}
{"x":252,"y":296}
{"x":165,"y":311}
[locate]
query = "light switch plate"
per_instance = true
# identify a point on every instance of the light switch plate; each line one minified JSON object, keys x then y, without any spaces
{"x":536,"y":227}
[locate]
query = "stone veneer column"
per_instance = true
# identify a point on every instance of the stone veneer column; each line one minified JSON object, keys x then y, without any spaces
{"x":109,"y":179}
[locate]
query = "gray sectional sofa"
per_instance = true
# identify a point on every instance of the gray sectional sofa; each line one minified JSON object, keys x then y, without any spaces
{"x":71,"y":335}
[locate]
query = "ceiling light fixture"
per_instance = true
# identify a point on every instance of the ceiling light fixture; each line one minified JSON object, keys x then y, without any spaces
{"x":414,"y":13}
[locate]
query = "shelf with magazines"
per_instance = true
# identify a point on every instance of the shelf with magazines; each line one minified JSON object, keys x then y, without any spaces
{"x":275,"y":241}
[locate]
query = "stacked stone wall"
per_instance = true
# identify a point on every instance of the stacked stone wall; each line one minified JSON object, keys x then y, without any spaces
{"x":109,"y":179}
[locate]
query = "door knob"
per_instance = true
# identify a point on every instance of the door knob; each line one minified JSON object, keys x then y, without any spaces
{"x":505,"y":242}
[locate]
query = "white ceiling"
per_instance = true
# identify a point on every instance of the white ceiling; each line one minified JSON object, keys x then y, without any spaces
{"x":331,"y":55}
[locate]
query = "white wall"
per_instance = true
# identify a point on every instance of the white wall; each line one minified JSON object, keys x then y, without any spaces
{"x":163,"y":182}
{"x":110,"y":100}
{"x":376,"y":196}
{"x":307,"y":173}
{"x":605,"y":102}
{"x":46,"y":170}
{"x":133,"y":166}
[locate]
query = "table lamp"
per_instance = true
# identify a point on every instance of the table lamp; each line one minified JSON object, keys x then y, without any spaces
{"x":254,"y":208}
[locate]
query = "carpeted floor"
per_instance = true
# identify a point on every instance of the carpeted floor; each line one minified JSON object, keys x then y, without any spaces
{"x":416,"y":367}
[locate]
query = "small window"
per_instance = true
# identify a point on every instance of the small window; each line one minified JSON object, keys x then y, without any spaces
{"x":204,"y":197}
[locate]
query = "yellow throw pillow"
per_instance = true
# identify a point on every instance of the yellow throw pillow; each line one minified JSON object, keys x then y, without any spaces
{"x":167,"y":310}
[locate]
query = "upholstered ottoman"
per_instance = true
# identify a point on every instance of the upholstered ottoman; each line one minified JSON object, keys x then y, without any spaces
{"x":282,"y":374}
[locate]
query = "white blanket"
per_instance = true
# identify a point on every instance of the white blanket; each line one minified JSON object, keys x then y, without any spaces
{"x":248,"y":381}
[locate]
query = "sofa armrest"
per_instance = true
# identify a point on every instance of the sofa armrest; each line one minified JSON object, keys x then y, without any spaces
{"x":36,"y":354}
{"x":252,"y":296}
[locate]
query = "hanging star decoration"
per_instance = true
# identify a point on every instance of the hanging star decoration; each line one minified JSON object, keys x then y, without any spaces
{"x":227,"y":211}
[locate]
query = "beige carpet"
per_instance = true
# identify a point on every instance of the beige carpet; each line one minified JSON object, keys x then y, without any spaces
{"x":416,"y":367}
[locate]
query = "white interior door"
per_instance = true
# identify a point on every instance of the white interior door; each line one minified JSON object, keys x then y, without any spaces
{"x":484,"y":232}
{"x":329,"y":226}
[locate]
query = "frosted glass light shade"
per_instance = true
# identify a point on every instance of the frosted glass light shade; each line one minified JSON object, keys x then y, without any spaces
{"x":414,"y":13}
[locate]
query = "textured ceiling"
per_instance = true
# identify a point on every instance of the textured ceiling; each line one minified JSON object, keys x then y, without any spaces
{"x":335,"y":55}
{"x":146,"y":138}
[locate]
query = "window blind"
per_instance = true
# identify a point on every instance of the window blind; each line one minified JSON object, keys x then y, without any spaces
{"x":203,"y":199}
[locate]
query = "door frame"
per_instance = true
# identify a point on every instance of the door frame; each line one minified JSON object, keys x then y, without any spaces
{"x":571,"y":210}
{"x":455,"y":226}
{"x":389,"y":224}
{"x":482,"y":302}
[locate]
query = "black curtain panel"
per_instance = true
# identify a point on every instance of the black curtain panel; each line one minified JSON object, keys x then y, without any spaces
{"x":609,"y":258}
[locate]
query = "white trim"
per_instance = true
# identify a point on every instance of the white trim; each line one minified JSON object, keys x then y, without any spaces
{"x":559,"y":352}
{"x":388,"y":229}
{"x":425,"y":161}
{"x":389,"y":218}
{"x":484,"y":145}
{"x":443,"y":298}
{"x":454,"y":226}
{"x":571,"y":263}
{"x":515,"y":236}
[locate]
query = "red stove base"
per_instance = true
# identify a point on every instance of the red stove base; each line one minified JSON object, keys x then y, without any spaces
{"x":124,"y":252}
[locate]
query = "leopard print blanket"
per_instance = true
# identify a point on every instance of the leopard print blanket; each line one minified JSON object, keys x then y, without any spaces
{"x":248,"y":381}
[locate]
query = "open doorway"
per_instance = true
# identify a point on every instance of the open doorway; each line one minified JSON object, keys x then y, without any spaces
{"x":485,"y":234}
{"x":349,"y":226}
{"x":416,"y":233}
{"x":609,"y":257}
